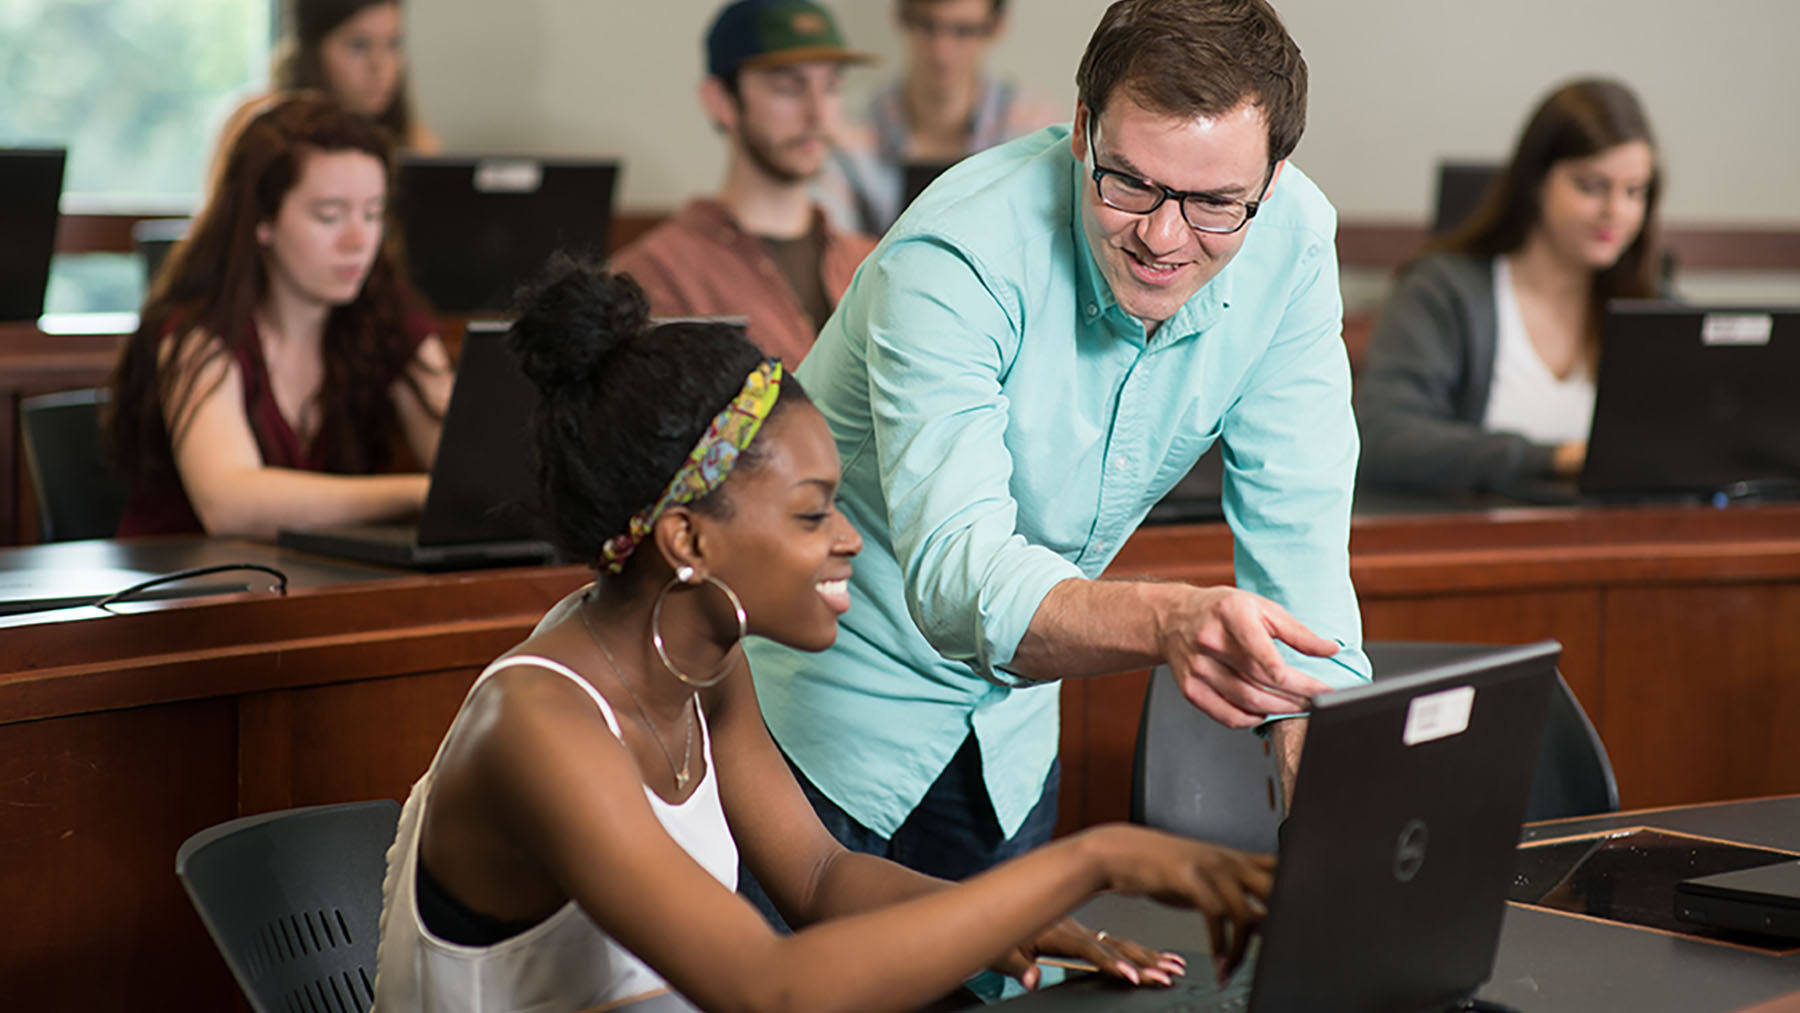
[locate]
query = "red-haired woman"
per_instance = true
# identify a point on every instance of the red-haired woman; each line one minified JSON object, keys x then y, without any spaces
{"x":279,"y":365}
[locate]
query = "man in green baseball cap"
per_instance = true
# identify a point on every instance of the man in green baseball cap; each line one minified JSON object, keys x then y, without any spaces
{"x":761,"y":249}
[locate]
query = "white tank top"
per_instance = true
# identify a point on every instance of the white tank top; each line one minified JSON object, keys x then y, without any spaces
{"x":563,"y":963}
{"x":1525,"y":397}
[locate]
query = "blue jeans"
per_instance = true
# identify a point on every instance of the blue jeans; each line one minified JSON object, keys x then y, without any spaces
{"x":952,"y":833}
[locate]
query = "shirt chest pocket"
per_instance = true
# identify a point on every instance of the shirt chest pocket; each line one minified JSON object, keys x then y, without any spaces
{"x":1184,"y":447}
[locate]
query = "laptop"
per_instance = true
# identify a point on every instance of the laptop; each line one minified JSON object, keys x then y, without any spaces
{"x":478,"y":511}
{"x":30,"y":189}
{"x":1696,"y":402}
{"x":1764,"y":900}
{"x":916,"y":176}
{"x":1460,"y":189}
{"x":477,"y":228}
{"x":1396,"y":855}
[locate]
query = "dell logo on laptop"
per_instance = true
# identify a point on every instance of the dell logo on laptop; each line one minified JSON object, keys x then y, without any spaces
{"x":1409,"y":854}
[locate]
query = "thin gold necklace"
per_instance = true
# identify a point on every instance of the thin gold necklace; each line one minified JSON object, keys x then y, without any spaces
{"x":684,"y":773}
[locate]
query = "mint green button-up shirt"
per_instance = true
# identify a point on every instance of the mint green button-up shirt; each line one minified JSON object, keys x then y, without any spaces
{"x":1004,"y":426}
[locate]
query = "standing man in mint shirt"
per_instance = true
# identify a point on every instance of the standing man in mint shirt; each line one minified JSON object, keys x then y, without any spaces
{"x":1038,"y":350}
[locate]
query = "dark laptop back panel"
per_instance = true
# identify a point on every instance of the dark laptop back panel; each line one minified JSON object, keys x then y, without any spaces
{"x":1694,"y":400}
{"x":1460,"y":188}
{"x":476,"y":229}
{"x":30,"y":189}
{"x":916,"y":176}
{"x":484,"y":480}
{"x":1397,"y":855}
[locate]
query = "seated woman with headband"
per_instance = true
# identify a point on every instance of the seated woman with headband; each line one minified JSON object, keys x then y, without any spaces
{"x":577,"y":838}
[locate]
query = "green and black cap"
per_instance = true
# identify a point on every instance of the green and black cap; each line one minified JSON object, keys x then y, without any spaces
{"x":771,"y":33}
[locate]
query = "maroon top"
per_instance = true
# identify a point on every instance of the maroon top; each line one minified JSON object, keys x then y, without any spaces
{"x":161,"y":506}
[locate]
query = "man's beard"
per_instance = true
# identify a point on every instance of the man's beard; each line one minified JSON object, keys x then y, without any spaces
{"x":763,"y":155}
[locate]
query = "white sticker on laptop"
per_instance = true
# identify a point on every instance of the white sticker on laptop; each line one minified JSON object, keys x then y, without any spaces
{"x":508,"y":175}
{"x":1438,"y":715}
{"x":1736,"y":328}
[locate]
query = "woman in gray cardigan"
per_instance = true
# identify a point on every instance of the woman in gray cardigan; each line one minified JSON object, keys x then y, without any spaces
{"x":1491,"y":336}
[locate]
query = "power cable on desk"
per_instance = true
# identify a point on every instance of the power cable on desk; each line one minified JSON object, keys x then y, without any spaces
{"x":280,"y":587}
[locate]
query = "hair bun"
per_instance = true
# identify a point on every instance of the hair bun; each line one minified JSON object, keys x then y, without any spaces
{"x":572,"y":319}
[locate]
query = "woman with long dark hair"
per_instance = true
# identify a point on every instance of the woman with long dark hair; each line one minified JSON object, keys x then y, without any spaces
{"x":576,"y":840}
{"x":1480,"y":372}
{"x":280,"y":366}
{"x":354,"y":51}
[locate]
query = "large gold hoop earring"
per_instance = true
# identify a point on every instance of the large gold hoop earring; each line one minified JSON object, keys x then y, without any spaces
{"x":656,"y":638}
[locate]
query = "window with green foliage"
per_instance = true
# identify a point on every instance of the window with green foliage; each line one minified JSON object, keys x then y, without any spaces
{"x":135,"y":90}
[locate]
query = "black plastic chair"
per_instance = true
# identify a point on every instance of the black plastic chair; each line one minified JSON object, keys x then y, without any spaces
{"x":293,"y":900}
{"x":153,"y":239}
{"x":79,"y":495}
{"x":1196,"y":777}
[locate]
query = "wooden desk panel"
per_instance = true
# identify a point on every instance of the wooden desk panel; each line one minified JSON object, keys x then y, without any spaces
{"x":122,"y":735}
{"x":1703,"y":691}
{"x":94,"y":807}
{"x":1680,"y":626}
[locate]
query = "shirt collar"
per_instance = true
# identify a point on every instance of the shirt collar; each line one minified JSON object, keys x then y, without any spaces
{"x":1195,"y":316}
{"x":712,"y":217}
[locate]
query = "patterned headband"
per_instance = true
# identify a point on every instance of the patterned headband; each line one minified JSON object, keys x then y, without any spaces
{"x":710,"y":462}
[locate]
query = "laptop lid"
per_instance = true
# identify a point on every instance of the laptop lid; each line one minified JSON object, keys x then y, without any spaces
{"x":916,"y":176}
{"x":1396,"y":856}
{"x":30,"y":189}
{"x":1460,"y":189}
{"x":478,"y":228}
{"x":1764,"y":900}
{"x":1695,"y":400}
{"x":1397,"y":852}
{"x":483,"y":482}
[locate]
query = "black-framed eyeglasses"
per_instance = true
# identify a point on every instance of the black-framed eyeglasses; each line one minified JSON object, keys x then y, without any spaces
{"x":1203,"y":212}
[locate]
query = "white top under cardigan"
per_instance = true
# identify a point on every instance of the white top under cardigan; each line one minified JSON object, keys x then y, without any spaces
{"x":563,"y":963}
{"x":1526,"y":398}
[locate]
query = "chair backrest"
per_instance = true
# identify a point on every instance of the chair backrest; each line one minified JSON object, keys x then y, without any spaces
{"x":293,"y":899}
{"x":1194,"y":776}
{"x":79,"y":495}
{"x":153,"y":238}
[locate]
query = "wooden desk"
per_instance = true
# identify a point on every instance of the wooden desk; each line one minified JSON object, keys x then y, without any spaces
{"x":121,"y":735}
{"x":1680,"y":627}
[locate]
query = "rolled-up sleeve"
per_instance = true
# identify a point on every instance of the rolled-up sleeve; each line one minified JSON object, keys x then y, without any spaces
{"x":1290,"y":463}
{"x":940,"y":338}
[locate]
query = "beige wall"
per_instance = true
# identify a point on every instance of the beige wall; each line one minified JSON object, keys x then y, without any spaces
{"x":1397,"y":84}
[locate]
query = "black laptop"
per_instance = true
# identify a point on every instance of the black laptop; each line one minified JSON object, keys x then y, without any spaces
{"x":1695,"y":401}
{"x":30,"y":189}
{"x":477,"y":228}
{"x":479,"y":509}
{"x":1764,"y":900}
{"x":916,"y":176}
{"x":1396,"y":855}
{"x":1461,"y":187}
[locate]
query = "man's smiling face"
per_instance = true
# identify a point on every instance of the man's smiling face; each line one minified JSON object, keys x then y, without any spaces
{"x":1154,"y":263}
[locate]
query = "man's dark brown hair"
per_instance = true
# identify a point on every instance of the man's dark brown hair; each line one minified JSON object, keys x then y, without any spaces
{"x":1199,"y":58}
